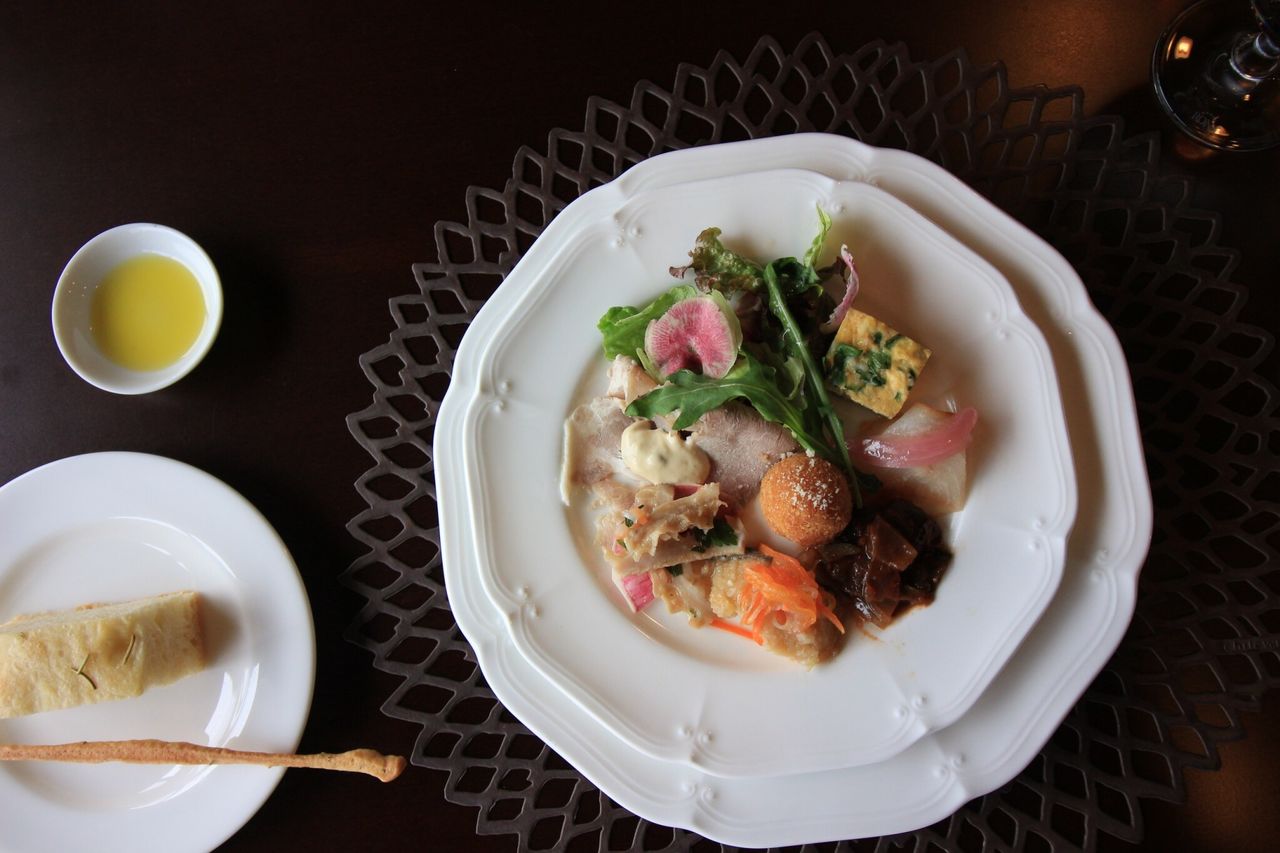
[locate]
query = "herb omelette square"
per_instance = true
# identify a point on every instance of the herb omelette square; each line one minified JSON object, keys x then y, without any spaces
{"x":874,"y":365}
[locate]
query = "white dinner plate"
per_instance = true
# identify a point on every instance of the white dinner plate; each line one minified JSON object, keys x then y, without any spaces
{"x":114,"y":526}
{"x":706,"y":697}
{"x":1000,"y":734}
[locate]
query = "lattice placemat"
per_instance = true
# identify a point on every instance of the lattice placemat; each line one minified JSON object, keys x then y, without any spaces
{"x":1203,"y":645}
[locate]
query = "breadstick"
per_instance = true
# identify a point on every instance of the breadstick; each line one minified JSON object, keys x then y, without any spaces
{"x":384,"y":767}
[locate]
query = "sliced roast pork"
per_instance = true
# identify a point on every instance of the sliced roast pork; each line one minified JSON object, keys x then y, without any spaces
{"x":628,"y":380}
{"x":742,"y":446}
{"x":592,"y":438}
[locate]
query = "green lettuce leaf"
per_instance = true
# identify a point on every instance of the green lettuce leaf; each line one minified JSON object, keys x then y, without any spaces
{"x":622,"y":328}
{"x":717,"y":268}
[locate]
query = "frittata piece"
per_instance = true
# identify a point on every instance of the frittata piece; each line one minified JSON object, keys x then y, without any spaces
{"x":872,"y":364}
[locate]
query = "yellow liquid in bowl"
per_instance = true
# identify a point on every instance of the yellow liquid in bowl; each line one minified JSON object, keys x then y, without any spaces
{"x":147,"y":312}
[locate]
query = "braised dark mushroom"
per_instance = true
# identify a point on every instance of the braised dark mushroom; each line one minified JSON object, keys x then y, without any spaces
{"x":887,"y":561}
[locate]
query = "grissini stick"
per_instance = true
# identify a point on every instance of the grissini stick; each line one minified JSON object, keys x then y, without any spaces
{"x":384,"y":767}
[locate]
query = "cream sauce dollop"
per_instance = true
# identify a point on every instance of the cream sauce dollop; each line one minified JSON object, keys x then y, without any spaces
{"x":662,"y":457}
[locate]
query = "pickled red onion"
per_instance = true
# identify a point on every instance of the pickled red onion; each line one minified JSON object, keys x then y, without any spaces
{"x":850,"y":275}
{"x":638,"y":589}
{"x":915,"y":451}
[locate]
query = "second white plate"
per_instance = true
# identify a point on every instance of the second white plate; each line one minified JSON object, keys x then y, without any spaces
{"x":114,"y":526}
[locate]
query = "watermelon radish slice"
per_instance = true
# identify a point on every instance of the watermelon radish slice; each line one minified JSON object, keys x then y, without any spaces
{"x":700,"y":334}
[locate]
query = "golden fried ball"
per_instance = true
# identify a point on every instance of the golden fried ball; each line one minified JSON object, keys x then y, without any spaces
{"x":806,"y":499}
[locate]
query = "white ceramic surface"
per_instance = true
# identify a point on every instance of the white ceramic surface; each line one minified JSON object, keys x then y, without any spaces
{"x":81,"y":277}
{"x":723,"y":705}
{"x":1003,"y":731}
{"x":114,"y":526}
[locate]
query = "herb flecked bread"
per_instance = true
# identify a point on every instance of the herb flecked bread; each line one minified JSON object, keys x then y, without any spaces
{"x":98,"y":652}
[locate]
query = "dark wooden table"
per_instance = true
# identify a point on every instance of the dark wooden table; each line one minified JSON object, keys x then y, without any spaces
{"x":310,"y":150}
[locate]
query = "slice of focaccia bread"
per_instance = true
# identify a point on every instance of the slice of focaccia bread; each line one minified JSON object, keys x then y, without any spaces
{"x":98,"y":652}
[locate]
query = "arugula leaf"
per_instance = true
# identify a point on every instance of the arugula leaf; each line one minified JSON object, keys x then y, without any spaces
{"x":824,"y":226}
{"x":695,"y":395}
{"x":789,"y":370}
{"x":717,"y":268}
{"x":623,"y":327}
{"x":795,"y":278}
{"x":808,"y":303}
{"x":796,"y":343}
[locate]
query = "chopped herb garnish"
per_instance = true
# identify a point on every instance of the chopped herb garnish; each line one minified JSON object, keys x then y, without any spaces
{"x":627,"y":521}
{"x":133,"y":638}
{"x":839,"y":361}
{"x":80,"y":671}
{"x":721,"y":535}
{"x":869,"y":366}
{"x":675,"y":571}
{"x":871,"y":370}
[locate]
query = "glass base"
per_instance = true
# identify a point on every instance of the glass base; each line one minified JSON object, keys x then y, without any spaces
{"x":1197,"y":88}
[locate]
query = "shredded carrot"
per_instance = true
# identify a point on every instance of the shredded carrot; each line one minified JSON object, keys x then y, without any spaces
{"x":825,"y":609}
{"x":782,"y":587}
{"x":726,"y":625}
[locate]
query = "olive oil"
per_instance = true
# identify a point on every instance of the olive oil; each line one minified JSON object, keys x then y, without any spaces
{"x":147,"y":312}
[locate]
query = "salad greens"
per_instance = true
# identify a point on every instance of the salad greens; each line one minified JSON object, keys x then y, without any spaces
{"x":776,"y":372}
{"x":623,"y":328}
{"x":695,"y":395}
{"x":717,"y":268}
{"x":799,"y":346}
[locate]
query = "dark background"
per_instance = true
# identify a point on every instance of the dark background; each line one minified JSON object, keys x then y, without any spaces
{"x":310,"y":149}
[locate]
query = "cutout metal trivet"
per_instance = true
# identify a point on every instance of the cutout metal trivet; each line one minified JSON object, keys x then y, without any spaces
{"x":1203,"y":645}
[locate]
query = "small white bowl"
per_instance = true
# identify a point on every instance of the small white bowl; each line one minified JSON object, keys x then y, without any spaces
{"x":81,"y":277}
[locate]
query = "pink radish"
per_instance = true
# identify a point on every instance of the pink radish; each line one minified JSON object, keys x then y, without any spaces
{"x":700,"y":334}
